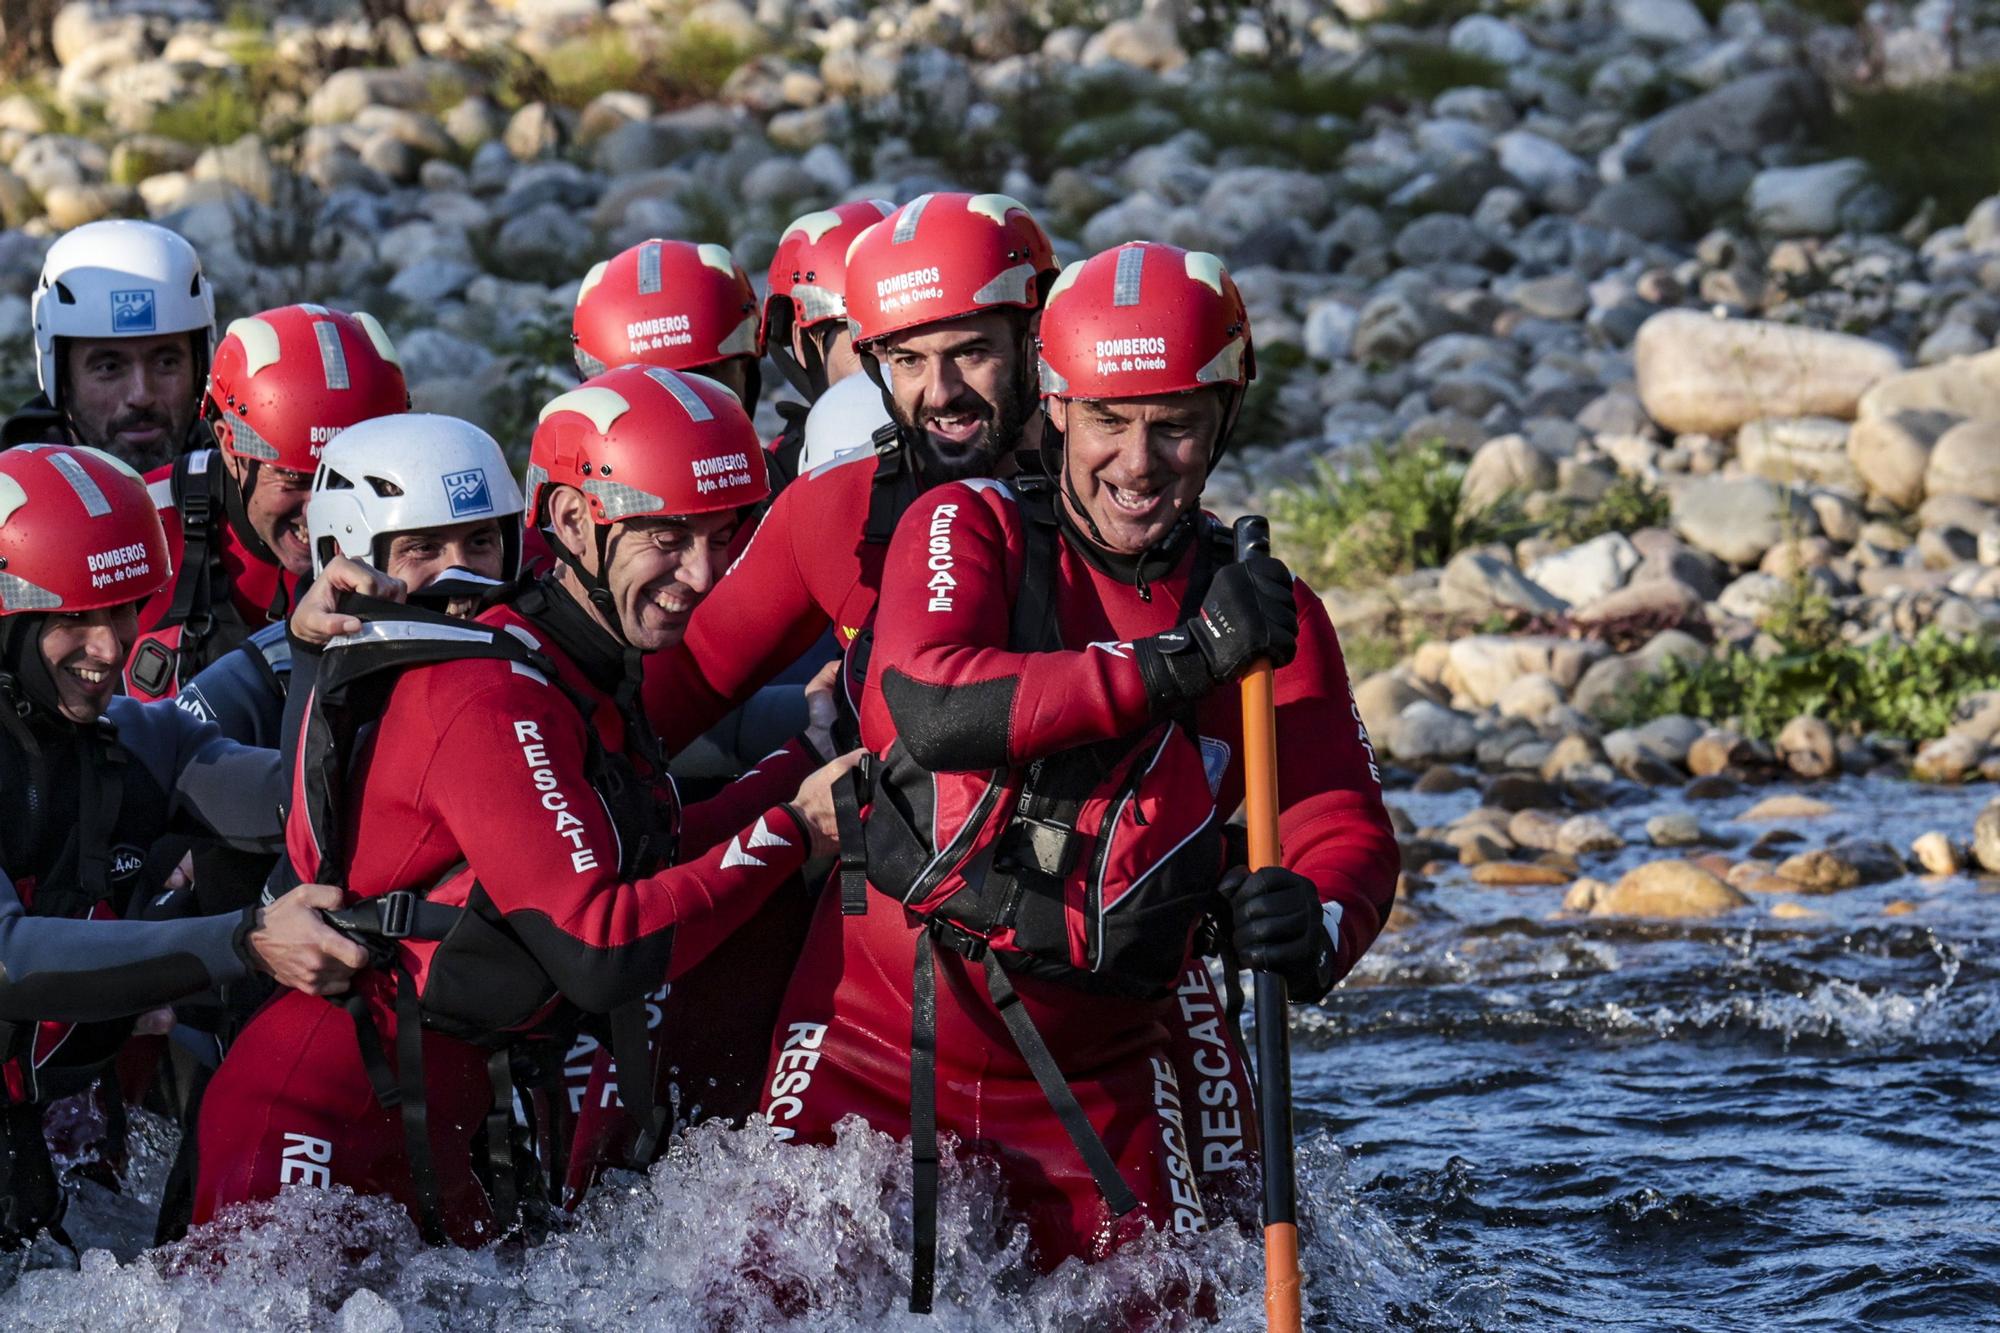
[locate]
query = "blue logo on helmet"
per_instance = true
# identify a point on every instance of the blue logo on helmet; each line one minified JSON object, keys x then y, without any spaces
{"x":468,"y":493}
{"x":132,"y":312}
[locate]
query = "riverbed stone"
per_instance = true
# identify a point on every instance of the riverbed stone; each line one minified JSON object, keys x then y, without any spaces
{"x":1669,"y":889}
{"x":1699,"y":373}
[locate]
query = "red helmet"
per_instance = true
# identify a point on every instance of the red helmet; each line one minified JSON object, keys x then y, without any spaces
{"x":671,"y":304}
{"x":809,"y":272}
{"x":288,"y":380}
{"x":1142,"y":319}
{"x":77,"y":531}
{"x":942,"y":256}
{"x":643,"y":441}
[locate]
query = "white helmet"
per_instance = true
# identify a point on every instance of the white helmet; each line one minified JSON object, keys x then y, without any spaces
{"x":844,"y":418}
{"x":406,"y":473}
{"x":119,"y":279}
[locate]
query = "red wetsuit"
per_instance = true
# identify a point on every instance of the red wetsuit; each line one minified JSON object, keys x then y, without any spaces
{"x":249,"y":586}
{"x":482,"y":763}
{"x":942,"y":664}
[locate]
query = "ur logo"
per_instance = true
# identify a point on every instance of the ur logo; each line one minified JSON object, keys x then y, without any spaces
{"x":132,"y":311}
{"x":468,"y":493}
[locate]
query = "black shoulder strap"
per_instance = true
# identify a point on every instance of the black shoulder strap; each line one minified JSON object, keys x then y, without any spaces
{"x":894,"y":486}
{"x":1033,"y":628}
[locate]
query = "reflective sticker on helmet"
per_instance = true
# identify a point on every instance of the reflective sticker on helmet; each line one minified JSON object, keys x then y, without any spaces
{"x":316,"y":311}
{"x":683,"y":393}
{"x":1052,"y":380}
{"x":995,"y":207}
{"x":1226,"y":366}
{"x":1125,"y":283}
{"x":1064,"y":281}
{"x":1009,"y":288}
{"x":602,"y":406}
{"x":379,"y":336}
{"x":649,"y":269}
{"x":591,"y":279}
{"x":112,"y":461}
{"x":906,"y":221}
{"x":244,"y":439}
{"x":589,"y":365}
{"x":815,"y":225}
{"x":468,"y":493}
{"x":816,"y":304}
{"x":12,"y":497}
{"x":80,"y":481}
{"x":535,"y":478}
{"x":17,"y":594}
{"x":132,"y":311}
{"x":332,"y":356}
{"x":259,"y":341}
{"x":620,"y":502}
{"x":717,"y":257}
{"x":743,"y":342}
{"x":1206,"y":269}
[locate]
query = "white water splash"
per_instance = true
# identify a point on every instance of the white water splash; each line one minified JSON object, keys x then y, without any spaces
{"x":732,"y":1231}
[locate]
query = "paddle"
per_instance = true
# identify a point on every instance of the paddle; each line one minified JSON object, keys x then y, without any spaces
{"x":1274,"y":1036}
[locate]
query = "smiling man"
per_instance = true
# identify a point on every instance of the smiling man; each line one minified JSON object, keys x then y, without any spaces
{"x":124,"y":324}
{"x":285,"y":382}
{"x":1057,"y":731}
{"x":507,"y":833}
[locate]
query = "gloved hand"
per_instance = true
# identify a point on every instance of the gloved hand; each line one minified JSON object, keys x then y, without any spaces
{"x":1248,"y":614}
{"x":1279,"y":926}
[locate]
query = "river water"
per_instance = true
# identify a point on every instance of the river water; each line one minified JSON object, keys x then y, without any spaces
{"x":1507,"y":1121}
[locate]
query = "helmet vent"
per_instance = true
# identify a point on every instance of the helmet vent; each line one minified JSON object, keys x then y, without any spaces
{"x":383,"y":487}
{"x":64,"y":295}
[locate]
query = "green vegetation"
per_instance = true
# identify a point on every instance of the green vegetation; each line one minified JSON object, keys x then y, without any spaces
{"x":1901,"y":687}
{"x":1399,"y":512}
{"x":1629,"y":505}
{"x":691,"y":66}
{"x":220,"y":113}
{"x":1934,"y":141}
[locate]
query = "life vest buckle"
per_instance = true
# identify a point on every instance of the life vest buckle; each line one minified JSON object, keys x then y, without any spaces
{"x":396,"y":913}
{"x":958,"y":939}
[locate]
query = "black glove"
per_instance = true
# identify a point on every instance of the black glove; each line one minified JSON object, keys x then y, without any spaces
{"x":1248,"y":614}
{"x":1278,"y":927}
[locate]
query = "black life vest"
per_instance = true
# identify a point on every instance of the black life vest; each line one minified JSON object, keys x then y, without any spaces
{"x":1057,"y":894}
{"x":482,"y":984}
{"x":202,"y":622}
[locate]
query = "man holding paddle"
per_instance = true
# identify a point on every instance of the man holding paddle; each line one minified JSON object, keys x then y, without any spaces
{"x":1034,"y":855}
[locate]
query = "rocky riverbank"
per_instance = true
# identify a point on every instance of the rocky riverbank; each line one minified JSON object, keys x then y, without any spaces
{"x":1696,"y":374}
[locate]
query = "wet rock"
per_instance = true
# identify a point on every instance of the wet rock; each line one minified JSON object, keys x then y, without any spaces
{"x":1899,"y":907}
{"x":1698,"y":373}
{"x":1986,"y":839}
{"x":1584,"y":835}
{"x":1536,"y":828}
{"x":1675,"y":829}
{"x":1790,"y":911}
{"x":1517,"y":875}
{"x":1773,"y":842}
{"x":1738,"y":519}
{"x":1805,"y":746}
{"x":1787,"y":805}
{"x":1584,"y":895}
{"x":1947,"y":759}
{"x":1938,"y":854}
{"x":1441,"y":778}
{"x":1845,"y":865}
{"x":1669,"y":889}
{"x":1518,"y":791}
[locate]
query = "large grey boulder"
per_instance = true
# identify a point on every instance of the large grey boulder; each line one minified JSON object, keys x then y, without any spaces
{"x":1737,"y":519}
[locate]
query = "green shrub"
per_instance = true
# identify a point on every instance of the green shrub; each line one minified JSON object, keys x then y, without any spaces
{"x":1398,"y":513}
{"x":1934,"y":141}
{"x":1895,"y":686}
{"x":220,"y":113}
{"x":692,"y":65}
{"x":1629,"y":505}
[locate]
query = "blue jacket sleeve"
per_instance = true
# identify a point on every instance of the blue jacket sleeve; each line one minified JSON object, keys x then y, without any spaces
{"x":65,"y":970}
{"x":235,"y":792}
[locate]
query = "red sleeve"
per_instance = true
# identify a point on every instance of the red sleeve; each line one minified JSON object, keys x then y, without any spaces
{"x":957,"y":696}
{"x":774,"y":781}
{"x":759,"y":620}
{"x":507,"y":779}
{"x":1331,"y":821}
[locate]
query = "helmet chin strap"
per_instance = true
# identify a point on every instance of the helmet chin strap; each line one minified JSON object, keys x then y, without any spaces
{"x":24,"y":672}
{"x":596,"y":588}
